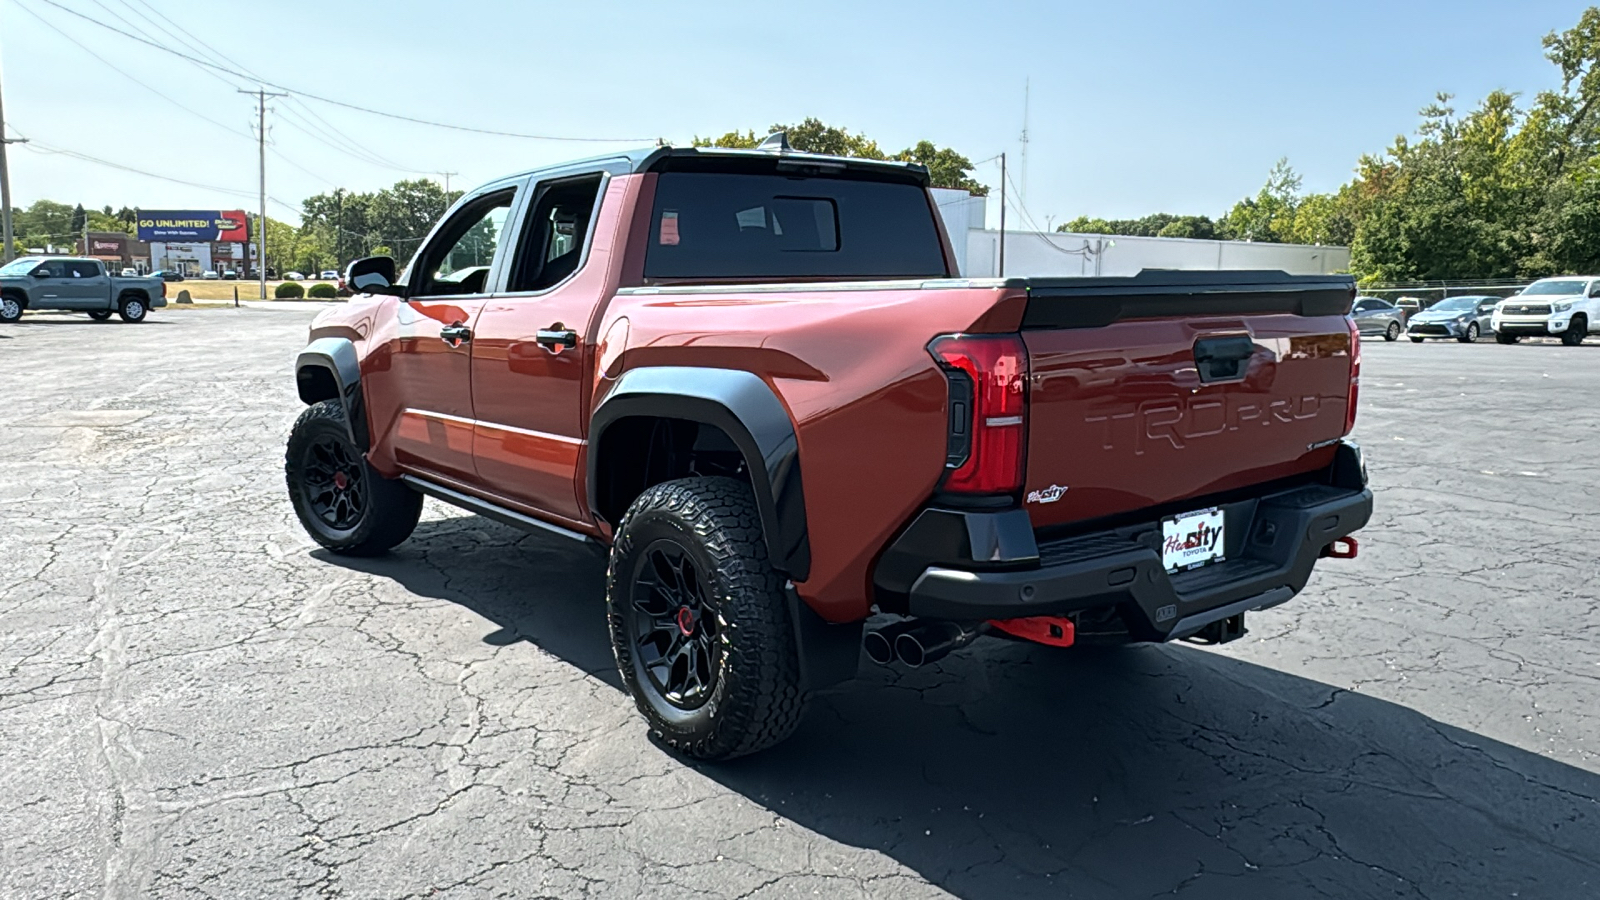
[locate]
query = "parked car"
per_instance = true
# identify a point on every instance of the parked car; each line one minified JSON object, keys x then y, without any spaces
{"x":210,"y":275}
{"x":63,"y":282}
{"x":1463,"y":318}
{"x":1408,"y":306}
{"x":1374,"y":315}
{"x":329,"y":275}
{"x":230,"y":275}
{"x":1567,"y":307}
{"x":167,"y":274}
{"x":760,"y":380}
{"x":293,"y":276}
{"x":130,"y":272}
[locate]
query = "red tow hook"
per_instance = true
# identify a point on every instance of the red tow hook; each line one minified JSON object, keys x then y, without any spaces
{"x":1055,"y":631}
{"x":1343,"y":548}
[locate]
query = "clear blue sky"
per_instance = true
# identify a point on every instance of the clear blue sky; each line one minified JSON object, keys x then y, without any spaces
{"x":1137,"y":107}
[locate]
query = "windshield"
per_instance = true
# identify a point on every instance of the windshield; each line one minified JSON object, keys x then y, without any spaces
{"x":1457,"y":304}
{"x":1547,"y":288}
{"x":19,"y":266}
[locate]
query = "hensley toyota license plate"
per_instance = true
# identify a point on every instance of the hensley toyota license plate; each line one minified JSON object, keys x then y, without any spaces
{"x":1192,"y":540}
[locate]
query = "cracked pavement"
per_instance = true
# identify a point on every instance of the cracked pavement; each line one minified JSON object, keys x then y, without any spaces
{"x":196,"y":702}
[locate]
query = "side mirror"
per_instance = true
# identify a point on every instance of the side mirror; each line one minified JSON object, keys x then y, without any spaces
{"x":40,"y":272}
{"x":372,"y":275}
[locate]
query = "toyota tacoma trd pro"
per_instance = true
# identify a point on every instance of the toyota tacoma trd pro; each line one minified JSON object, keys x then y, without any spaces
{"x":759,"y":379}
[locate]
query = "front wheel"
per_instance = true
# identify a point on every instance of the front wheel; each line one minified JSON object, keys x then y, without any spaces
{"x":343,"y":503}
{"x":10,"y":309}
{"x":1470,"y":336}
{"x":1576,"y":330}
{"x":1416,"y":340}
{"x":698,"y":620}
{"x":133,"y":309}
{"x":100,"y":315}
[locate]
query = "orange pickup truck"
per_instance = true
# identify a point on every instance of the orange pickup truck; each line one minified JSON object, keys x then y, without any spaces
{"x":759,"y":379}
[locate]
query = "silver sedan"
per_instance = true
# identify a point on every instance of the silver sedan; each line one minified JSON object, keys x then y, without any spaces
{"x":1461,"y":318}
{"x":1375,"y":315}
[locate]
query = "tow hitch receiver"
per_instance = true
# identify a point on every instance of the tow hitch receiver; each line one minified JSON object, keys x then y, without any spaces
{"x":1343,"y":548}
{"x":1054,"y":631}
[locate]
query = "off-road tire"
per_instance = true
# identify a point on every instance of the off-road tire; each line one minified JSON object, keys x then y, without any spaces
{"x":1470,"y":336}
{"x":1416,"y":340}
{"x":1577,"y":329}
{"x":755,"y":699}
{"x":389,"y":509}
{"x":1506,"y":338}
{"x":133,"y":309}
{"x":1392,"y":333}
{"x":100,"y":315}
{"x":11,"y":309}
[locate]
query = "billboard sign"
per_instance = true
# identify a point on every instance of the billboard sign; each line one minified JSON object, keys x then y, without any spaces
{"x":193,"y":225}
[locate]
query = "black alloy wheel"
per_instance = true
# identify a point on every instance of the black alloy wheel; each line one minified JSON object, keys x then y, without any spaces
{"x":335,"y":483}
{"x":675,"y":625}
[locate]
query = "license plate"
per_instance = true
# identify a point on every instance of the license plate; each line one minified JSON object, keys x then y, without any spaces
{"x":1192,"y":540}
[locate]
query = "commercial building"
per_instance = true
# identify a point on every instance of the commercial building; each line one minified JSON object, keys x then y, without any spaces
{"x":1037,"y":253}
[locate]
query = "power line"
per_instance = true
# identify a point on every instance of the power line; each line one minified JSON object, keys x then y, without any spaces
{"x":73,"y":154}
{"x":113,"y":67}
{"x":332,"y":102}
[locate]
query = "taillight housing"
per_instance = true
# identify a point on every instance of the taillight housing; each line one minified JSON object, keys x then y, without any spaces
{"x":988,"y":410}
{"x":1355,"y":374}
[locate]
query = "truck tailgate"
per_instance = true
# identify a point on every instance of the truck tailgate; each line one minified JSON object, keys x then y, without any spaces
{"x":1169,"y":386}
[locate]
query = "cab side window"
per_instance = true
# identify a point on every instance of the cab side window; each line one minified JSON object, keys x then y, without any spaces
{"x":457,"y":261}
{"x":552,"y":244}
{"x":1594,"y":289}
{"x":54,"y":268}
{"x":85,"y":270}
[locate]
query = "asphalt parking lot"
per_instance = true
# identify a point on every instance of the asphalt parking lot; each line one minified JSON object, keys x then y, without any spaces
{"x":196,"y":703}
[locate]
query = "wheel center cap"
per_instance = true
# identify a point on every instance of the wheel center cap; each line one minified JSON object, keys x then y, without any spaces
{"x":686,"y":620}
{"x":340,"y":481}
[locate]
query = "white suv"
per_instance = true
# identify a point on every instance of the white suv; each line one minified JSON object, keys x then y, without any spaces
{"x":1566,"y":307}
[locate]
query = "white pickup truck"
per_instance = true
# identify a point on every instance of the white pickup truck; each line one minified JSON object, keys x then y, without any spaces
{"x":75,"y":283}
{"x":1567,"y":307}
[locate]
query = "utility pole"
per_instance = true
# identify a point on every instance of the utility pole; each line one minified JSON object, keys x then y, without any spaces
{"x":261,"y":220}
{"x":1022,"y":189}
{"x":447,"y":180}
{"x":1002,"y":215}
{"x":5,"y":186}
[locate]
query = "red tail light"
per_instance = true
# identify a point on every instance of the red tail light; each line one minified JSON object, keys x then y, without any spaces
{"x":988,"y":376}
{"x":1355,"y":373}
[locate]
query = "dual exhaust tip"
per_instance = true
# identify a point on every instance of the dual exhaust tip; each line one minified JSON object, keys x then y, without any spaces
{"x":916,"y":643}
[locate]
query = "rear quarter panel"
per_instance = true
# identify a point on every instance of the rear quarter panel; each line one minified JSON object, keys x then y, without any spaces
{"x":852,"y":369}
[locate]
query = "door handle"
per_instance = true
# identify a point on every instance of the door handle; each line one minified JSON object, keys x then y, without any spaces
{"x":455,"y":335}
{"x":556,"y":339}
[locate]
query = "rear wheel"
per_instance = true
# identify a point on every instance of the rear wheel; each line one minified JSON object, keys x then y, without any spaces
{"x":1470,"y":336}
{"x":133,"y":309}
{"x":1500,"y":338}
{"x":343,"y":503}
{"x":699,"y":623}
{"x":1392,"y":333}
{"x":100,"y":315}
{"x":1576,"y":330}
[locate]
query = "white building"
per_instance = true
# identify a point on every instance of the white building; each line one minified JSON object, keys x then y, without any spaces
{"x":1030,"y":253}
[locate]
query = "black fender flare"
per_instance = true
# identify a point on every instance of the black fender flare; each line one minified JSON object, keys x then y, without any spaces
{"x":329,"y":368}
{"x":744,"y":408}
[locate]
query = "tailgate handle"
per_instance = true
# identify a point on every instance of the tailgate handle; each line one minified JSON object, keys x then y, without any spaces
{"x":1223,"y":358}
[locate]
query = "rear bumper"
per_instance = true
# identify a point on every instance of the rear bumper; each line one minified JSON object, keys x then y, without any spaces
{"x":1273,"y":542}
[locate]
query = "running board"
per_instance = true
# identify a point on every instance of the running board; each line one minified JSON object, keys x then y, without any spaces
{"x":490,"y":510}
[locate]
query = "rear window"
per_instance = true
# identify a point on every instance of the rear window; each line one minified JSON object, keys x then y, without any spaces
{"x":724,"y":225}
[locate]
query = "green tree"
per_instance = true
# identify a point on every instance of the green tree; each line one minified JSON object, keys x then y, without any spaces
{"x":80,"y":219}
{"x":1269,"y":215}
{"x":946,"y":167}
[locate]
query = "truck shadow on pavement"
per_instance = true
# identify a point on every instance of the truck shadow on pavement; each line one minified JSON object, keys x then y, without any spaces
{"x":1011,"y":771}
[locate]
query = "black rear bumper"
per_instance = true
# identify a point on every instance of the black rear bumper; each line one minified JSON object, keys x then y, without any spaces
{"x":1272,"y":543}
